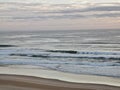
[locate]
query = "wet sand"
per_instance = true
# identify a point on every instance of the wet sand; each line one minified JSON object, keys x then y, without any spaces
{"x":30,"y":78}
{"x":20,"y":82}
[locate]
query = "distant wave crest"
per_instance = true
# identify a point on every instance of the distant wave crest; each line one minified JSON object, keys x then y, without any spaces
{"x":63,"y":51}
{"x":7,"y":45}
{"x":71,"y":54}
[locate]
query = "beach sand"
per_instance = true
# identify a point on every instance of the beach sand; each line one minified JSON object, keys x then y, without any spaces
{"x":18,"y":82}
{"x":38,"y":79}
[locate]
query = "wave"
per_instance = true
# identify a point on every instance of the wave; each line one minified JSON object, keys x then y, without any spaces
{"x":111,"y":55}
{"x":84,"y":52}
{"x":98,"y":57}
{"x":100,"y":43}
{"x":7,"y":46}
{"x":58,"y":63}
{"x":100,"y":53}
{"x":32,"y":55}
{"x":63,"y":51}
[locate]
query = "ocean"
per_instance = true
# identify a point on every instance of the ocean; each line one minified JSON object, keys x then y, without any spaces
{"x":93,"y":52}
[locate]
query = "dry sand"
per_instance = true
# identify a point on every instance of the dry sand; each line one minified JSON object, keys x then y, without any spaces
{"x":17,"y":82}
{"x":39,"y":79}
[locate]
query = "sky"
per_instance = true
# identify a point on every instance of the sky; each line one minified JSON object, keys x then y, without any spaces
{"x":59,"y":14}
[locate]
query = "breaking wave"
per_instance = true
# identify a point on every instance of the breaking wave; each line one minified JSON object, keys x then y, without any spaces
{"x":7,"y":46}
{"x":69,"y":54}
{"x":63,"y":51}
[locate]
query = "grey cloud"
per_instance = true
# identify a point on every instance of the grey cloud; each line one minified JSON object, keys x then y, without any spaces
{"x":76,"y":16}
{"x":106,"y":15}
{"x":89,"y":9}
{"x":48,"y":17}
{"x":19,"y":11}
{"x":104,"y":8}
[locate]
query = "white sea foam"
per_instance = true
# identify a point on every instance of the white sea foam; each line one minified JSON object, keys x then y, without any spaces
{"x":92,"y":39}
{"x":21,"y":36}
{"x":43,"y":40}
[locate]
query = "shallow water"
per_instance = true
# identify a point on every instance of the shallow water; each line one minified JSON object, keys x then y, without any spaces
{"x":82,"y":52}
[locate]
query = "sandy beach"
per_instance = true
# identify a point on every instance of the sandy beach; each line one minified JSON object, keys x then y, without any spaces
{"x":17,"y":82}
{"x":42,"y":79}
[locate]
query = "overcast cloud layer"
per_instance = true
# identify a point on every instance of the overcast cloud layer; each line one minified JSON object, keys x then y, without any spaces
{"x":20,"y":11}
{"x":78,"y":13}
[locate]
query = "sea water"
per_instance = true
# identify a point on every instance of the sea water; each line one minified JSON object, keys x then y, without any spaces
{"x":95,"y":52}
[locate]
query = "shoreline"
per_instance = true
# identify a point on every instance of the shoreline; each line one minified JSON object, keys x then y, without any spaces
{"x":20,"y":82}
{"x":62,"y":76}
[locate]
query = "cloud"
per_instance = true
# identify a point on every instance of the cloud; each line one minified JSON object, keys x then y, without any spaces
{"x":37,"y":11}
{"x":104,"y":8}
{"x":106,"y":15}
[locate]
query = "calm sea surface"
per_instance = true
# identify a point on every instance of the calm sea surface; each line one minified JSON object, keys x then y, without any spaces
{"x":95,"y":52}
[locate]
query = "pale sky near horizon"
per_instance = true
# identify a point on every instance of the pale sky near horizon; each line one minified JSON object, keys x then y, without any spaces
{"x":59,"y":14}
